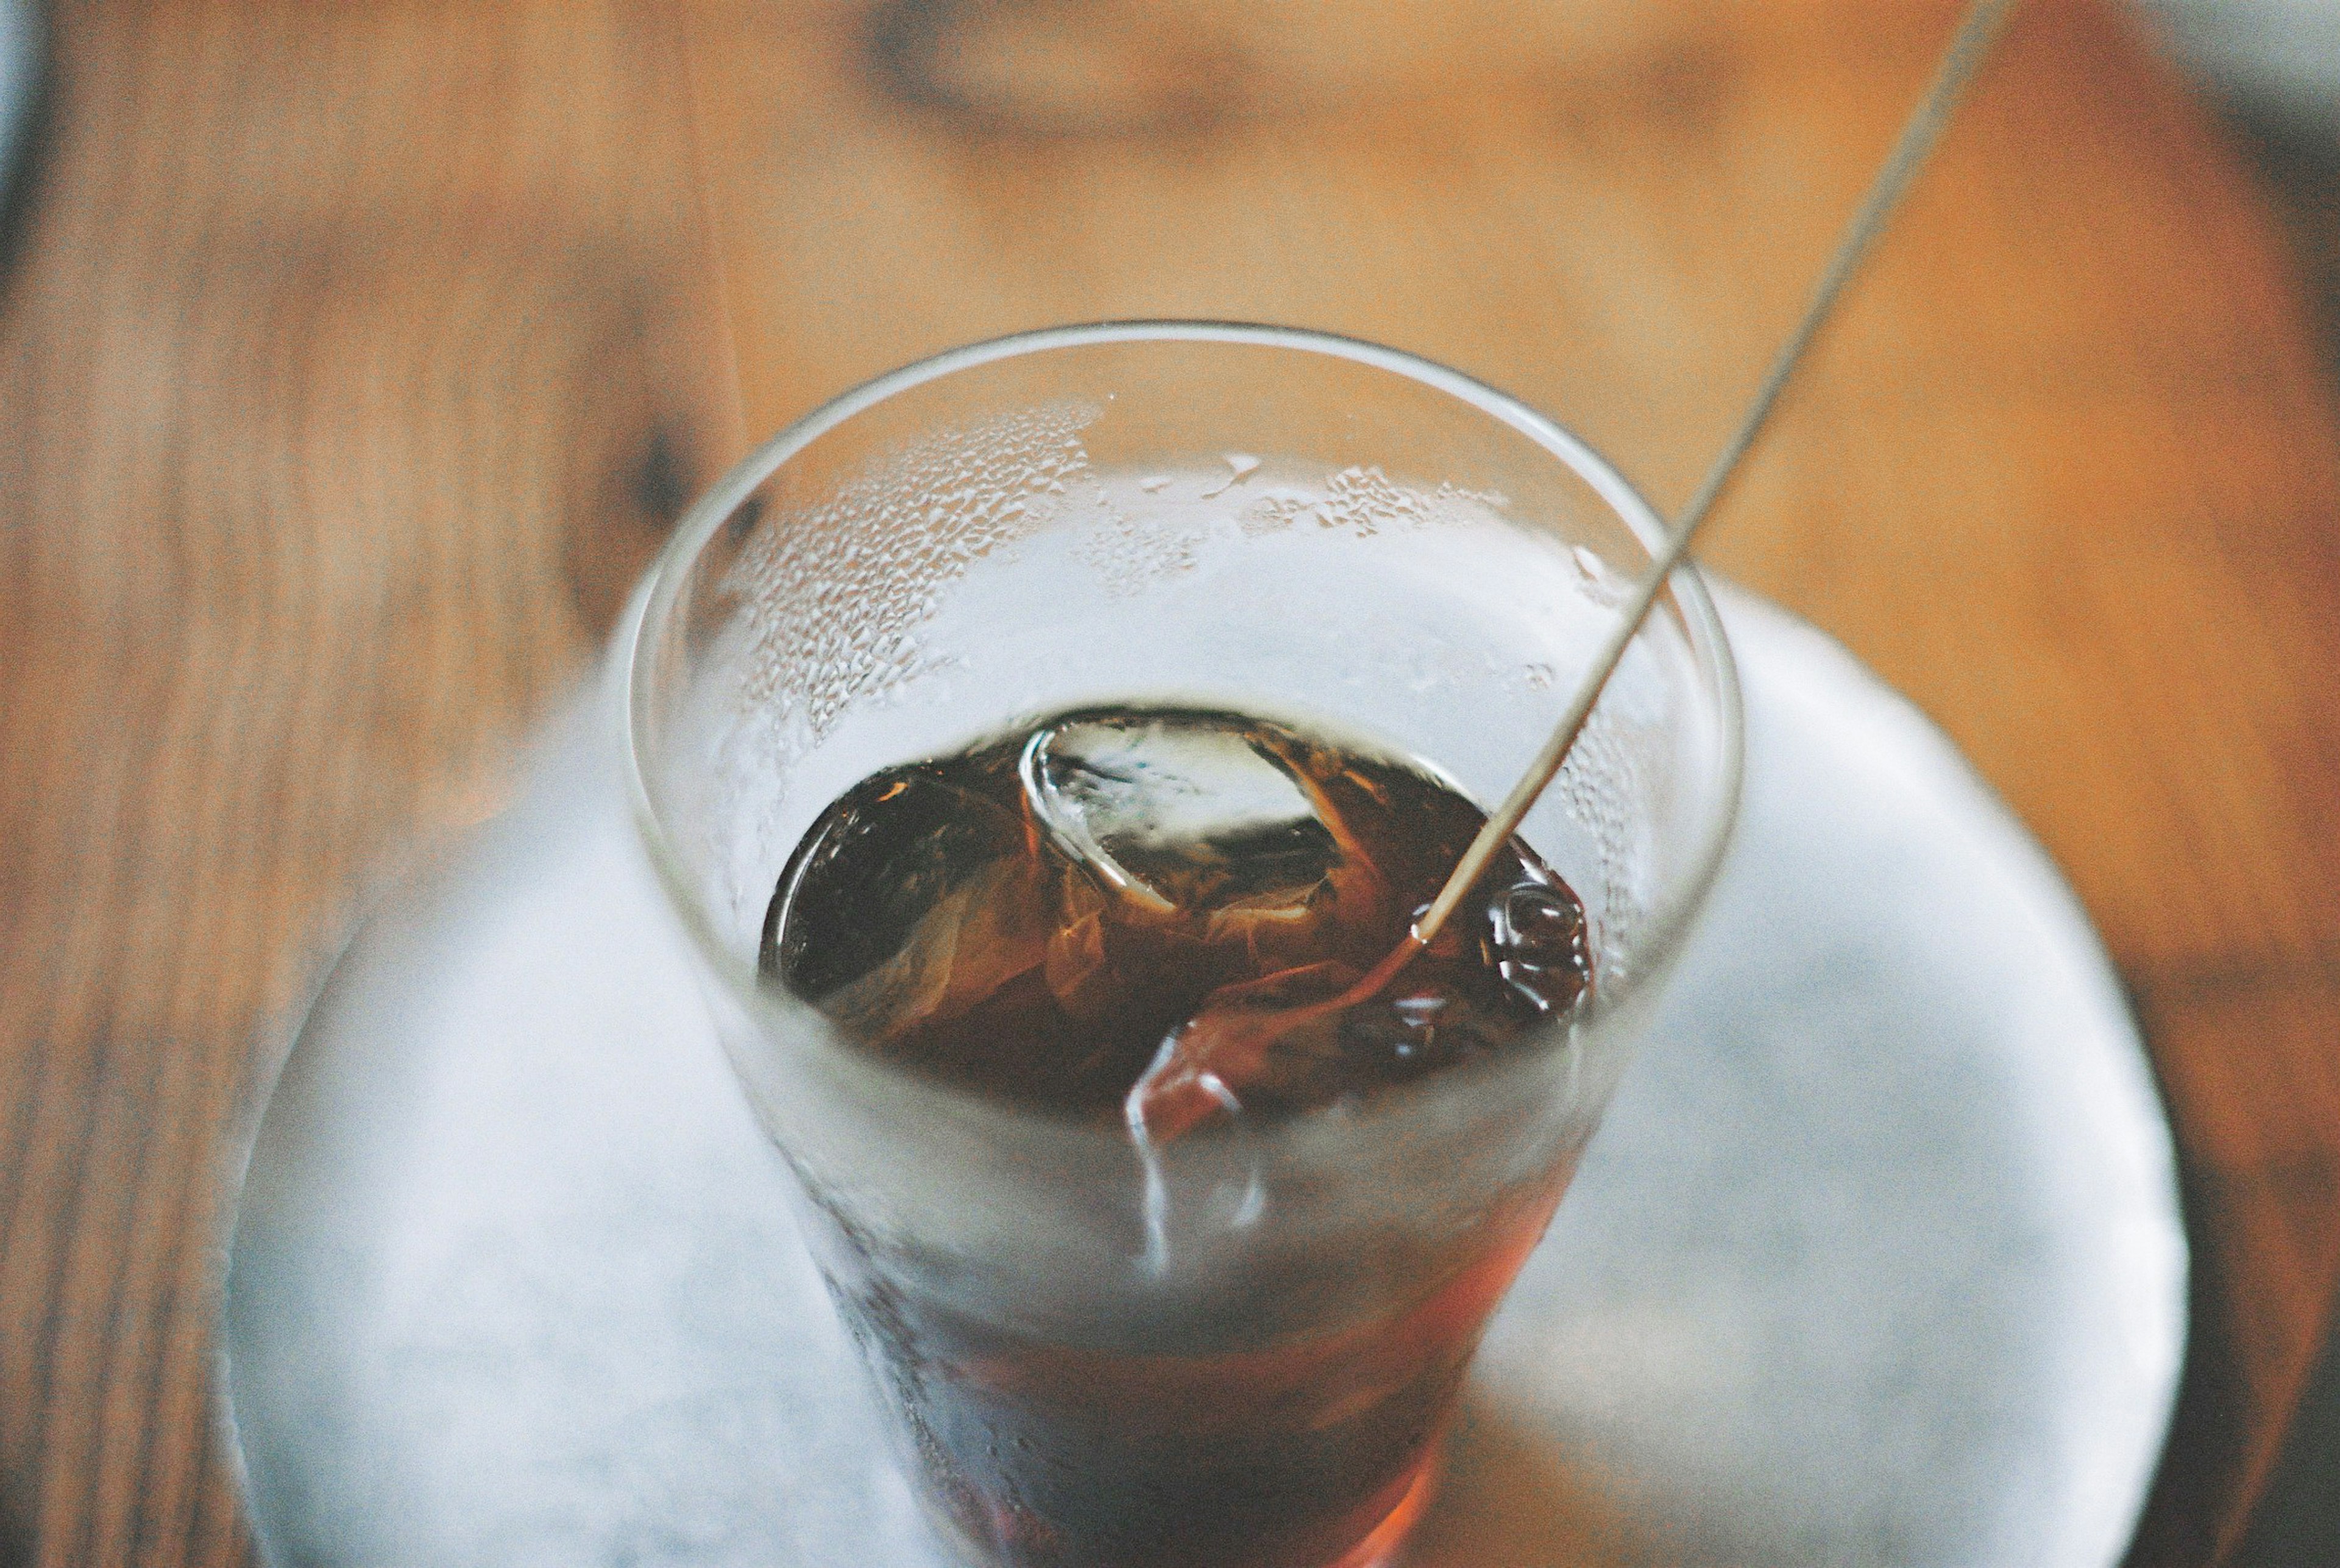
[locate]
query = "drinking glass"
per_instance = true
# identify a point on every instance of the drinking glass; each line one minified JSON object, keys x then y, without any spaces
{"x":1238,"y":1349}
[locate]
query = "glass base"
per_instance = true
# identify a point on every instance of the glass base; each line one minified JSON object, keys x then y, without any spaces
{"x":1379,"y":1548}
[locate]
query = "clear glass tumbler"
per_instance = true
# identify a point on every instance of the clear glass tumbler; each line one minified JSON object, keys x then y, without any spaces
{"x":1240,"y":1352}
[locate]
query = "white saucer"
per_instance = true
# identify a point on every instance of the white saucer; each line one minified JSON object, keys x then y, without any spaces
{"x":1876,"y":1260}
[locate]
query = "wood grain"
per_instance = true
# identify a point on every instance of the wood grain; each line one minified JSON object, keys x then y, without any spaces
{"x":347,"y":379}
{"x":355,"y":358}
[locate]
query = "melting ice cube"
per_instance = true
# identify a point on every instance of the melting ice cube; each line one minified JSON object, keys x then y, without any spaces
{"x":911,"y":899}
{"x":1178,"y":815}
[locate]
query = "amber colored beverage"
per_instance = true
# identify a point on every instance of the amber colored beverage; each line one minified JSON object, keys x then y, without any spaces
{"x":1041,"y":919}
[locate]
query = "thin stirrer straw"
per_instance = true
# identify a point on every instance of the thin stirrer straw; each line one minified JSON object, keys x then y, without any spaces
{"x":1187,"y":1081}
{"x":1967,"y":49}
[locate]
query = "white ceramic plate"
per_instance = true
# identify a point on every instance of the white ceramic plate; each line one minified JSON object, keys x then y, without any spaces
{"x":1876,"y":1261}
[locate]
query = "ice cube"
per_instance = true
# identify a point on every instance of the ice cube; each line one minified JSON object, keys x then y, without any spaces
{"x":1184,"y":816}
{"x":946,"y":905}
{"x":1537,"y":941}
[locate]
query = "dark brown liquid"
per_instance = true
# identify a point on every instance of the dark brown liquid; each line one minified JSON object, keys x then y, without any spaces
{"x":1043,"y":918}
{"x":938,"y":911}
{"x":1282,"y":1455}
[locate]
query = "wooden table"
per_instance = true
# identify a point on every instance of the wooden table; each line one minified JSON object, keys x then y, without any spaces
{"x":354,"y":359}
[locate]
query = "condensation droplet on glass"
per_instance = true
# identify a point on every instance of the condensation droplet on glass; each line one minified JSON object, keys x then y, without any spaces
{"x":1595,"y":569}
{"x":1241,"y":466}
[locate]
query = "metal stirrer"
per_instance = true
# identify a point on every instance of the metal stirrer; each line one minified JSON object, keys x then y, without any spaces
{"x":1967,"y":49}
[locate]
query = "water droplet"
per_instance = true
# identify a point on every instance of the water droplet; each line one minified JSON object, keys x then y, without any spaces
{"x":1242,"y":465}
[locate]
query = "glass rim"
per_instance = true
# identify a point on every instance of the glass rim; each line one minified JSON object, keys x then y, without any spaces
{"x":650,"y":604}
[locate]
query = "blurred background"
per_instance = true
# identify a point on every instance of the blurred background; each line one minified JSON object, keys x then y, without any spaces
{"x":354,"y":359}
{"x":2272,"y":70}
{"x":2272,"y":67}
